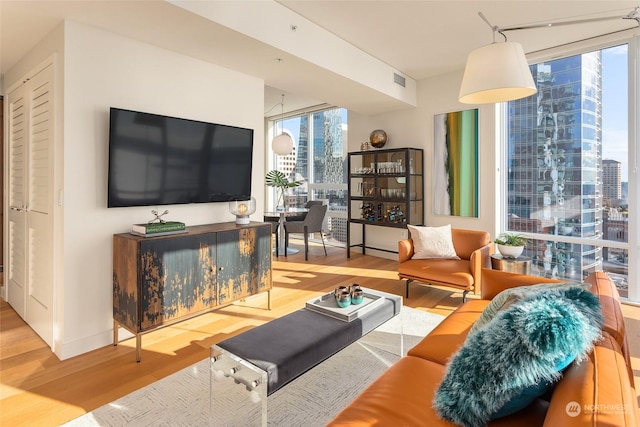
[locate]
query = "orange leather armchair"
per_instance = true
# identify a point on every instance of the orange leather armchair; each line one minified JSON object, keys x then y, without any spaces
{"x":474,"y":249}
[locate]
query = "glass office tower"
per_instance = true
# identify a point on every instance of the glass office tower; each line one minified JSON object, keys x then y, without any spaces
{"x":555,"y":165}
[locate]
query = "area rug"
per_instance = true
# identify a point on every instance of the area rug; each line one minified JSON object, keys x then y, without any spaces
{"x":313,"y":399}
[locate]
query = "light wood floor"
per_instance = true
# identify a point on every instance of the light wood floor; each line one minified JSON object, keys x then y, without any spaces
{"x":37,"y":389}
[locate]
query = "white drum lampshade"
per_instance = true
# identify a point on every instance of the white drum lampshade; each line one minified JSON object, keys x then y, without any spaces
{"x":495,"y":73}
{"x":242,"y":209}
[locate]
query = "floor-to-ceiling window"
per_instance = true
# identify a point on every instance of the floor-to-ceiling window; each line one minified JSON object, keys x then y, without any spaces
{"x":318,"y":160}
{"x":568,"y":168}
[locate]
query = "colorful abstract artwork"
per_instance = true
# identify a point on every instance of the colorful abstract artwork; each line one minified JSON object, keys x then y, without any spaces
{"x":455,"y":164}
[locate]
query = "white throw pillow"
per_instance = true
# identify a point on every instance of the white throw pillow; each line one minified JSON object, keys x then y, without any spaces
{"x":432,"y":242}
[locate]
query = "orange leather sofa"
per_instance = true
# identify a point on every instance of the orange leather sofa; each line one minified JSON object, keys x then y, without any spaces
{"x":597,"y":392}
{"x":474,"y":249}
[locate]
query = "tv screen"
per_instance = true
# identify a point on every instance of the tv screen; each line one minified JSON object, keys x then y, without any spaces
{"x":160,"y":160}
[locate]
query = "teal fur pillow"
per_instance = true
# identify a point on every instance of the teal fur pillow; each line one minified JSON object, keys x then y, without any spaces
{"x":507,"y":297}
{"x":518,"y":355}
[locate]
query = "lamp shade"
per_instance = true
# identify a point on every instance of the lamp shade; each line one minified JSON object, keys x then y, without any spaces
{"x":282,"y":144}
{"x":242,"y":209}
{"x":498,"y":72}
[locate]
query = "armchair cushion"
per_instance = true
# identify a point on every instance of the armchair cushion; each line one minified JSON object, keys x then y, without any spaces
{"x":432,"y":242}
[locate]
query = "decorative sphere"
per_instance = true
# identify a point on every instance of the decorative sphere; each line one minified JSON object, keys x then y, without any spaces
{"x":378,"y":138}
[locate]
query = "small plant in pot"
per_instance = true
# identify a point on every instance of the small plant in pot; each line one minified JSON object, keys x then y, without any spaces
{"x":511,"y":245}
{"x":279,"y":180}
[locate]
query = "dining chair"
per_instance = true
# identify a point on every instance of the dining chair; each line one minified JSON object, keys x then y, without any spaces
{"x":312,"y":223}
{"x":302,"y":215}
{"x":275,"y":224}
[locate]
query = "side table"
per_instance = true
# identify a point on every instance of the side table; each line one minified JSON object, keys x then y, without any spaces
{"x":520,"y":265}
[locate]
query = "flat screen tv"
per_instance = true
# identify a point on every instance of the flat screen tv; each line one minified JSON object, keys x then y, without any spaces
{"x":160,"y":160}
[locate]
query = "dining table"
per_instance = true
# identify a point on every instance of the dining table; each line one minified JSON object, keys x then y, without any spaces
{"x":282,"y":215}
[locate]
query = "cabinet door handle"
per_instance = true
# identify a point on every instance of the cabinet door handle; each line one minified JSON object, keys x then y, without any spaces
{"x":221,"y":268}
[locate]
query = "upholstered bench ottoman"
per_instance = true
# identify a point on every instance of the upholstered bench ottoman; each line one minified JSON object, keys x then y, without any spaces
{"x":291,"y":345}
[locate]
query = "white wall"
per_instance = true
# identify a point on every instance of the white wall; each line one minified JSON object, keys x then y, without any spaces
{"x":414,"y":128}
{"x":102,"y":70}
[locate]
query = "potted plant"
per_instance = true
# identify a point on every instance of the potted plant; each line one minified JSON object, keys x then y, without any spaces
{"x":279,"y":180}
{"x":511,"y":245}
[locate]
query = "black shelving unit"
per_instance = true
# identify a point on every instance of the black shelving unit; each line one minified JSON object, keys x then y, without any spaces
{"x":386,"y":189}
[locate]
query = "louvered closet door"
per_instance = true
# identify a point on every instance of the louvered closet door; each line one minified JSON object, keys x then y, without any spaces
{"x":30,"y":267}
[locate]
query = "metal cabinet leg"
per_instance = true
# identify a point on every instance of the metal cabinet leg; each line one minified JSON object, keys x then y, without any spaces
{"x":138,"y":347}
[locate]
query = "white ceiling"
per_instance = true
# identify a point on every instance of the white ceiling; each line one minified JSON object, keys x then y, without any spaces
{"x":419,"y":38}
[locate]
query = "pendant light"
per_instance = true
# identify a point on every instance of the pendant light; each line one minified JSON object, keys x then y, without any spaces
{"x":282,"y":144}
{"x":500,"y":72}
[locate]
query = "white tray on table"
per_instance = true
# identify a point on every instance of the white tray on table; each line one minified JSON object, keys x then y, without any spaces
{"x":327,"y":305}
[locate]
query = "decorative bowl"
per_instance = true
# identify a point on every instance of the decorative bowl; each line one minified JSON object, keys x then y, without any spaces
{"x":357,"y":296}
{"x":343,"y":299}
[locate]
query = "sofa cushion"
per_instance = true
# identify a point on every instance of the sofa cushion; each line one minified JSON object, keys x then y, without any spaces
{"x":522,"y":347}
{"x":397,"y":398}
{"x":432,"y":242}
{"x":452,"y":272}
{"x":449,"y":335}
{"x":509,"y":296}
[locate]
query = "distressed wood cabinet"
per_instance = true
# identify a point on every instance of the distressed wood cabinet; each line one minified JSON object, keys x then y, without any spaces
{"x":162,"y":280}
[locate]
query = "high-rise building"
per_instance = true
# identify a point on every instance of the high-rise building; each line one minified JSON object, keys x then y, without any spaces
{"x":321,"y":141}
{"x":555,"y":175}
{"x":611,"y":181}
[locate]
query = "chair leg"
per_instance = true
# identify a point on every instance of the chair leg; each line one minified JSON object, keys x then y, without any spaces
{"x":277,"y":242}
{"x":306,"y":243}
{"x":464,"y":296}
{"x":322,"y":238}
{"x":407,"y":288}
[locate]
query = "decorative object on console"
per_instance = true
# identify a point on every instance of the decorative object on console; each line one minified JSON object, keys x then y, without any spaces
{"x":530,"y":343}
{"x":432,"y":242}
{"x":158,"y":229}
{"x":158,"y":226}
{"x":158,"y":217}
{"x":282,"y":144}
{"x":378,"y":138}
{"x":511,"y":245}
{"x":455,"y":164}
{"x":279,"y":180}
{"x":242,"y":209}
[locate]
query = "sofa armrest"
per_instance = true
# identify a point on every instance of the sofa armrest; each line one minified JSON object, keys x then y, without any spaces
{"x":496,"y":281}
{"x":480,"y":258}
{"x":405,"y":250}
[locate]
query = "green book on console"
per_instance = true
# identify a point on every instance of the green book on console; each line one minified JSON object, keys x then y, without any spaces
{"x":157,"y":227}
